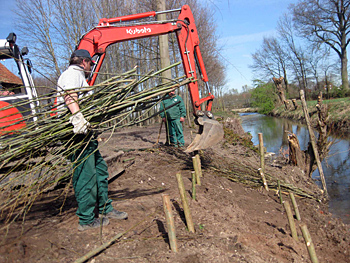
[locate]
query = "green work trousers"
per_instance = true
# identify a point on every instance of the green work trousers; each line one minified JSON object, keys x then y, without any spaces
{"x":90,"y":180}
{"x":176,"y":134}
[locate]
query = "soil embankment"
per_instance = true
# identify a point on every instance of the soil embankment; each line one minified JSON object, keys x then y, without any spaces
{"x":234,"y":222}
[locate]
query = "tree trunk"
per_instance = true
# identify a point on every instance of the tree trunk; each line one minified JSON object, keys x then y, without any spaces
{"x":344,"y":70}
{"x":308,"y":159}
{"x":285,"y":81}
{"x":322,"y":143}
{"x":278,"y":84}
{"x":296,"y":155}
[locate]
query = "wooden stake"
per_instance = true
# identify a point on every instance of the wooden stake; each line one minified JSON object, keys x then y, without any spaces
{"x":199,"y":164}
{"x":290,"y":220}
{"x":193,"y":185}
{"x":263,"y":179}
{"x":187,"y":211}
{"x":195,"y":167}
{"x":262,"y":152}
{"x":295,"y":205}
{"x":279,"y":191}
{"x":170,"y":222}
{"x":309,"y":243}
{"x":313,"y":141}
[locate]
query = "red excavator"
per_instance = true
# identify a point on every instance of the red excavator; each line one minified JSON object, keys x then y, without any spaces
{"x":114,"y":30}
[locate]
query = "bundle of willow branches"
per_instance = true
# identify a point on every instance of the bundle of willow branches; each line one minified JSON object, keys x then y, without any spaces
{"x":34,"y":158}
{"x":251,"y":178}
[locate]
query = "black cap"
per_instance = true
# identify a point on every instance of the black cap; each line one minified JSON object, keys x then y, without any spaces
{"x":83,"y":53}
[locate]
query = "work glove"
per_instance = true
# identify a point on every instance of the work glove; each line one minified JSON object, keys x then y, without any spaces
{"x":80,"y":124}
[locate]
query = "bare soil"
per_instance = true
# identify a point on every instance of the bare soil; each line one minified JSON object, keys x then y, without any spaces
{"x":233,"y":222}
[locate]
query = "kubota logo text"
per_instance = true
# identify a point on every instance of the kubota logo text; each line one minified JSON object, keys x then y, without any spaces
{"x":138,"y":31}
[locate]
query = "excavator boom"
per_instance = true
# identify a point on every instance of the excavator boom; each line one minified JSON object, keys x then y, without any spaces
{"x":112,"y":30}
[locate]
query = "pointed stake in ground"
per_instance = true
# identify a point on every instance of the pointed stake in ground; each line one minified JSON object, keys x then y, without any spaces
{"x":187,"y":211}
{"x":193,"y":185}
{"x":170,"y":222}
{"x":295,"y":205}
{"x":199,"y":164}
{"x":309,"y":243}
{"x":313,"y":141}
{"x":279,"y":191}
{"x":291,"y":220}
{"x":262,"y":152}
{"x":195,"y":167}
{"x":263,"y":179}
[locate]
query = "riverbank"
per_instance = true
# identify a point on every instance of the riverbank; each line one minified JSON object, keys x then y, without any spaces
{"x":244,"y":110}
{"x":234,"y":219}
{"x":338,"y":114}
{"x":335,"y":166}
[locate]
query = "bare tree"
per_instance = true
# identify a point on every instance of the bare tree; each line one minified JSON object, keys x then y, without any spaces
{"x":52,"y":28}
{"x":296,"y":54}
{"x":318,"y":59}
{"x":326,"y":22}
{"x":271,"y":60}
{"x":35,"y":20}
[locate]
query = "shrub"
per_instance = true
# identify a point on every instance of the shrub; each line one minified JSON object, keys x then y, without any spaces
{"x":264,"y":97}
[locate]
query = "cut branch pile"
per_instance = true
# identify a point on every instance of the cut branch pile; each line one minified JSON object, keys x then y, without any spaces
{"x":34,"y":158}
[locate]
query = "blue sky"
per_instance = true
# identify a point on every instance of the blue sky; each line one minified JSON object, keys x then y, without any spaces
{"x":7,"y":25}
{"x":242,"y":24}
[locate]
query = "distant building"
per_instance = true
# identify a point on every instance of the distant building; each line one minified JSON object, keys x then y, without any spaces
{"x":9,"y":81}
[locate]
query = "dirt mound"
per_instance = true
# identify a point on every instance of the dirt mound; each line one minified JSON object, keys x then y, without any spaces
{"x":233,"y":222}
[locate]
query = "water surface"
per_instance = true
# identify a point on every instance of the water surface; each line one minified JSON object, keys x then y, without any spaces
{"x":336,"y":167}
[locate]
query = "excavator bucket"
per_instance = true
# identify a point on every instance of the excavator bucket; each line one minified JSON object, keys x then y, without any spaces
{"x":210,"y":133}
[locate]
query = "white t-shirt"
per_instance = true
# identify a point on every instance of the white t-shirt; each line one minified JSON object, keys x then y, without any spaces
{"x":73,"y":78}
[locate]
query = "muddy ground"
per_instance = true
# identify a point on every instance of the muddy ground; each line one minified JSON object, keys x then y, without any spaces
{"x":233,"y":222}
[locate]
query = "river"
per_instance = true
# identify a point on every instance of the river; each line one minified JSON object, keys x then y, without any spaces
{"x":336,"y":167}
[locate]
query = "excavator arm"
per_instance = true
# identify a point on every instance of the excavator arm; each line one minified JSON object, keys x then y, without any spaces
{"x":112,"y":30}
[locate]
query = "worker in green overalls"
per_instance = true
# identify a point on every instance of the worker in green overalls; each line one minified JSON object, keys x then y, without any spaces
{"x":174,"y":117}
{"x":90,"y":177}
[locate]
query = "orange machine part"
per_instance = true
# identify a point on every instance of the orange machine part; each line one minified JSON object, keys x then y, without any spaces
{"x":10,"y":118}
{"x":54,"y":110}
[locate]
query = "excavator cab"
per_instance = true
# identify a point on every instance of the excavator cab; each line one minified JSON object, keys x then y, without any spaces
{"x":16,"y":104}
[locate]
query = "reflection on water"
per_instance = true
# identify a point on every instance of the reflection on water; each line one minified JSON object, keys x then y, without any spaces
{"x":336,"y":167}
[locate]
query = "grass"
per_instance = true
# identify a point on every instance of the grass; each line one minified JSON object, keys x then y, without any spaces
{"x":234,"y":139}
{"x":338,"y":113}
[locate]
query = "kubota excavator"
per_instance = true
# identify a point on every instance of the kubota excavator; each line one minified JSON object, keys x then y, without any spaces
{"x":113,"y":30}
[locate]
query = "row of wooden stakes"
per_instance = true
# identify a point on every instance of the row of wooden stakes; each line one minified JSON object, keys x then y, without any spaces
{"x":196,"y":179}
{"x":309,"y":244}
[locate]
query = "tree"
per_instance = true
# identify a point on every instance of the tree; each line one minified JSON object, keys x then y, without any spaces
{"x":326,"y":22}
{"x":296,"y":54}
{"x":318,"y":62}
{"x":271,"y":60}
{"x":35,"y":25}
{"x":52,"y":29}
{"x":264,"y":98}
